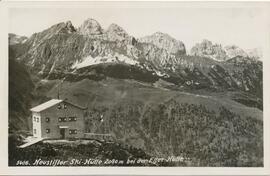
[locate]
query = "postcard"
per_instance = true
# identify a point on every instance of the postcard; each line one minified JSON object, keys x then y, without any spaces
{"x":139,"y":88}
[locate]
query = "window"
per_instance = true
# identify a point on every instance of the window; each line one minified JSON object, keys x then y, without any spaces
{"x":62,"y":106}
{"x":35,"y":131}
{"x":62,"y":119}
{"x":34,"y":117}
{"x":37,"y":119}
{"x":72,"y":119}
{"x":74,"y":131}
{"x":47,"y":130}
{"x":47,"y":119}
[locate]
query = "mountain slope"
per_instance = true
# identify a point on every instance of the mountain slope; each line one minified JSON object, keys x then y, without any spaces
{"x":62,"y":44}
{"x":217,"y":52}
{"x":165,"y":41}
{"x":149,"y":117}
{"x":63,"y":49}
{"x":16,"y":39}
{"x":20,"y":94}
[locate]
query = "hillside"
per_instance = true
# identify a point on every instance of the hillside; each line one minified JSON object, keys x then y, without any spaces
{"x":20,"y":95}
{"x":88,"y":153}
{"x":148,"y":117}
{"x":64,"y":49}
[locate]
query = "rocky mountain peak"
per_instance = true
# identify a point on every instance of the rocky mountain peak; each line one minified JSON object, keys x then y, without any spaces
{"x":206,"y":43}
{"x":159,"y":34}
{"x":60,"y":28}
{"x":90,"y":27}
{"x":115,"y":32}
{"x":64,"y":27}
{"x":207,"y":49}
{"x":165,"y":41}
{"x":233,"y":51}
{"x":116,"y":28}
{"x":70,"y":27}
{"x":255,"y":53}
{"x":216,"y":51}
{"x":56,"y":51}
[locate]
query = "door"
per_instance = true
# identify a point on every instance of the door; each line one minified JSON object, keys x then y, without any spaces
{"x":62,"y":133}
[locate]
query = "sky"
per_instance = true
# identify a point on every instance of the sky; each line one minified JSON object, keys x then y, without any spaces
{"x":241,"y":26}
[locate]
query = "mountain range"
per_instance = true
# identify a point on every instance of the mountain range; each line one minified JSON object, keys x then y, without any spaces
{"x":215,"y":51}
{"x":63,"y":48}
{"x":153,"y":95}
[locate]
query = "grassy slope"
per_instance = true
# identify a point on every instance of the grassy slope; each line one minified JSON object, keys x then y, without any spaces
{"x":112,"y":91}
{"x":210,"y":129}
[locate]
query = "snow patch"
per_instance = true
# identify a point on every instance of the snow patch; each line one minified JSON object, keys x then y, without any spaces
{"x":116,"y":58}
{"x":24,"y":40}
{"x":159,"y":73}
{"x":214,"y":58}
{"x":44,"y":80}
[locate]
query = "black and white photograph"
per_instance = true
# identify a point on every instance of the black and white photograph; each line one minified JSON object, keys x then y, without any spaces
{"x":126,"y":84}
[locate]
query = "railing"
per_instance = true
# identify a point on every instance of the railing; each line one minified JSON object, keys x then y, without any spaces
{"x":103,"y":137}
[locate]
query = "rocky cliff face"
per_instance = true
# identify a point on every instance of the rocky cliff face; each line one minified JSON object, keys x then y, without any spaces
{"x":234,"y":51}
{"x":63,"y":49}
{"x":217,"y":52}
{"x":115,"y":32}
{"x":166,"y":42}
{"x":90,"y":27}
{"x":207,"y":49}
{"x":61,"y":46}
